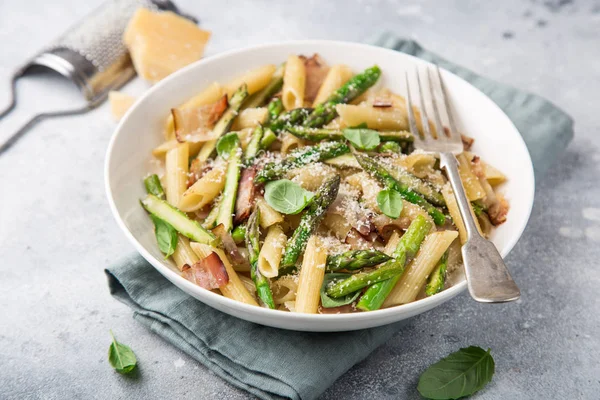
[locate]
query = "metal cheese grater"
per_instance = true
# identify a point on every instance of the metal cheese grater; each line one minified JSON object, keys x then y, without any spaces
{"x":91,"y":54}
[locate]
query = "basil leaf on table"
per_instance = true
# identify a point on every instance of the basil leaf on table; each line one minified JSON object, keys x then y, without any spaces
{"x":362,"y":139}
{"x":166,"y":236}
{"x":121,"y":357}
{"x":286,"y":196}
{"x":330,"y":302}
{"x":227,"y":143}
{"x":390,"y":203}
{"x":460,"y":374}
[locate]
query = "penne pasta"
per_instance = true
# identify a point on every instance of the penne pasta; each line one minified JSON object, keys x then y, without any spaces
{"x":161,"y":150}
{"x":272,"y":251}
{"x":337,"y":224}
{"x":249,"y":284}
{"x":410,"y":211}
{"x":392,"y":243}
{"x":415,"y":276}
{"x":250,"y":118}
{"x":208,"y":96}
{"x":312,"y":273}
{"x":469,"y":179}
{"x":285,"y":289}
{"x":205,"y":189}
{"x":384,"y":118}
{"x":183,"y":253}
{"x":235,"y":288}
{"x":290,"y":143}
{"x":176,"y":173}
{"x":493,"y":175}
{"x":311,"y":177}
{"x":245,"y":135}
{"x":268,"y":216}
{"x":336,"y":77}
{"x":294,"y":82}
{"x":255,"y":79}
{"x":369,"y":188}
{"x":418,"y":163}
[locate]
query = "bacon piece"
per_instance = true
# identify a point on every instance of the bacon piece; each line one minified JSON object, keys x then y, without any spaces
{"x":467,"y":141}
{"x":316,"y":71}
{"x":208,"y":273}
{"x":245,"y":195}
{"x":477,"y":167}
{"x":230,"y":247}
{"x":497,"y":211}
{"x":382,"y":103}
{"x":195,"y":124}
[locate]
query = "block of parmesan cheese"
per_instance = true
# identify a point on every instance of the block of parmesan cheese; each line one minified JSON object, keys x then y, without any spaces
{"x":160,"y":43}
{"x":119,"y":103}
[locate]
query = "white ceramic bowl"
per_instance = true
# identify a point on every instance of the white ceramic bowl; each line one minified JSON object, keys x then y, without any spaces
{"x":129,"y":159}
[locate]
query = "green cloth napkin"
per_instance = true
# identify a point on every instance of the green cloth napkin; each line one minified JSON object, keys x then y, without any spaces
{"x":272,"y":363}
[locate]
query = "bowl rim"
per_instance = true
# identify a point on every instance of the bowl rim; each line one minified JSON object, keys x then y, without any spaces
{"x":266,"y":313}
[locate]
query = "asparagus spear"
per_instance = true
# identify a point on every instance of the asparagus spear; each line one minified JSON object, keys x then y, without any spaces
{"x":306,"y":155}
{"x":232,"y":177}
{"x":383,"y":176}
{"x":355,"y":259}
{"x":239,"y":234}
{"x":296,"y":116}
{"x":260,"y":98}
{"x":363,"y":279}
{"x":438,"y":276}
{"x":275,"y":108}
{"x":224,"y":123}
{"x":153,"y":186}
{"x":389,"y":146}
{"x":263,"y":288}
{"x":419,"y":186}
{"x":187,"y":227}
{"x":211,"y":219}
{"x":318,"y":134}
{"x":254,"y":145}
{"x":309,"y":222}
{"x":409,"y":245}
{"x":357,"y":85}
{"x":268,"y":138}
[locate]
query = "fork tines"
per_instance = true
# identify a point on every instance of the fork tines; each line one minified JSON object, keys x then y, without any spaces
{"x":429,"y":139}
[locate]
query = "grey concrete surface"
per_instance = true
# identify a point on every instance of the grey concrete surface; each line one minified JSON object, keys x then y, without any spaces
{"x":57,"y":234}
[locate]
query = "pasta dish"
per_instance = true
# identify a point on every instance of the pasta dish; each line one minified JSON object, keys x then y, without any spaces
{"x":297,"y":187}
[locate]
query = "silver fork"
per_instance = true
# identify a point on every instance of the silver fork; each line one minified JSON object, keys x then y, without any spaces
{"x":488,"y":278}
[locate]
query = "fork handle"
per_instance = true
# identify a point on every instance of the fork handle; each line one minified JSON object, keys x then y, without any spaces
{"x":488,"y":278}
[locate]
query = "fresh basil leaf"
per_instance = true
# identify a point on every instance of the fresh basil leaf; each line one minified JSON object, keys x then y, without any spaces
{"x":227,"y":143}
{"x":460,"y":374}
{"x":330,"y":302}
{"x":121,"y":357}
{"x":390,"y":203}
{"x":286,"y":196}
{"x":166,"y":236}
{"x":362,"y":139}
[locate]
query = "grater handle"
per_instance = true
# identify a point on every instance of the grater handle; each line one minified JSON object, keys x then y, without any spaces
{"x":13,"y":93}
{"x":12,"y":139}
